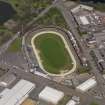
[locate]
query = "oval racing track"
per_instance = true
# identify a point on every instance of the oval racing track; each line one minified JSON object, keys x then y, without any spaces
{"x":66,"y":46}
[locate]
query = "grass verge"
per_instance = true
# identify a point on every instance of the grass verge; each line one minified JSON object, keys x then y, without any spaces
{"x":15,"y":46}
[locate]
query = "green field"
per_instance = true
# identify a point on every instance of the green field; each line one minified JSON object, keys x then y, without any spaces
{"x":94,"y":103}
{"x":15,"y":46}
{"x":55,"y":57}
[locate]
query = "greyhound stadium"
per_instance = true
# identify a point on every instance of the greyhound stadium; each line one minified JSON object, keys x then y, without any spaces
{"x":53,"y":53}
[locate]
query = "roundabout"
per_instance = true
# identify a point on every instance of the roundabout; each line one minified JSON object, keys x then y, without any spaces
{"x":53,"y":53}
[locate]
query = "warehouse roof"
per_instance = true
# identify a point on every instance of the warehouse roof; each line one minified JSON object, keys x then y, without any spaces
{"x":77,"y":8}
{"x":7,"y":79}
{"x":51,"y":95}
{"x":17,"y":94}
{"x":71,"y":102}
{"x":87,"y":85}
{"x":84,"y":20}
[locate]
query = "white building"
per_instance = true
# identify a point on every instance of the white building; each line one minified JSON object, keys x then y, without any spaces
{"x":77,"y":8}
{"x":17,"y":94}
{"x":50,"y":95}
{"x":84,"y":20}
{"x":85,"y":86}
{"x":7,"y":80}
{"x":71,"y":102}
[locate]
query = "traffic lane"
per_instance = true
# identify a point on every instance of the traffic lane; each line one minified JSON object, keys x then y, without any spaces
{"x":42,"y":82}
{"x":68,"y":17}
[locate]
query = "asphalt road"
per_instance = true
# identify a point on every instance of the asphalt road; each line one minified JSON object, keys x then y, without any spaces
{"x":71,"y":23}
{"x":5,"y":46}
{"x":42,"y":82}
{"x":32,"y":22}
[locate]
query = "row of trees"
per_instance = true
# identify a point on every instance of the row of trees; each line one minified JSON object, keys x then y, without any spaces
{"x":24,"y":7}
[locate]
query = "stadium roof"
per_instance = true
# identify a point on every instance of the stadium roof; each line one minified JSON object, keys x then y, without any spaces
{"x":17,"y":94}
{"x":51,"y":95}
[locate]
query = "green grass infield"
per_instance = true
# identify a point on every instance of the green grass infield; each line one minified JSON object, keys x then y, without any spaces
{"x":53,"y":53}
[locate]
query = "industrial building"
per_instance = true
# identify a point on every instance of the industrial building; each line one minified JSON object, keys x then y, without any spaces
{"x":7,"y":79}
{"x":87,"y":19}
{"x":82,"y":14}
{"x":74,"y":101}
{"x":50,"y":96}
{"x":77,"y":8}
{"x":17,"y":94}
{"x":71,"y":102}
{"x":85,"y":86}
{"x":84,"y":20}
{"x":96,"y":41}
